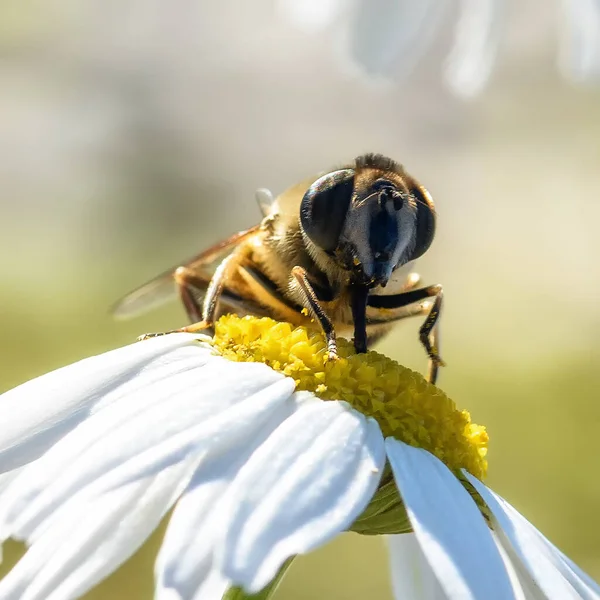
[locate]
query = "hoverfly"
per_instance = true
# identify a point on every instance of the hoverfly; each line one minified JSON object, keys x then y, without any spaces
{"x":341,"y":245}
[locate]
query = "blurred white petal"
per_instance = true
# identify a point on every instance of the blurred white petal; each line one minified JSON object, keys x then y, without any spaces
{"x":451,"y":531}
{"x":388,"y":37}
{"x":307,"y":483}
{"x":412,"y":577}
{"x":476,"y":42}
{"x":44,"y":409}
{"x":312,"y":16}
{"x":579,"y":56}
{"x":555,"y":576}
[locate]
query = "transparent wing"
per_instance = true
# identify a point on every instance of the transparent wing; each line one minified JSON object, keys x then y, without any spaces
{"x":148,"y":296}
{"x":163,"y":288}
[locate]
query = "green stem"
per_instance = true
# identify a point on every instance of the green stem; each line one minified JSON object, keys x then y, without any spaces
{"x":236,"y":593}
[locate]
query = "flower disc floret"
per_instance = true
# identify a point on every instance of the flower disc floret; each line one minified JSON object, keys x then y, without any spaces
{"x":404,"y":404}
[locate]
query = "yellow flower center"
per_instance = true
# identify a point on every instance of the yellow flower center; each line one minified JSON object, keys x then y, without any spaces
{"x":404,"y":404}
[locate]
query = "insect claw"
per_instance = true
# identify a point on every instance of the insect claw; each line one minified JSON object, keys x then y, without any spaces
{"x":332,"y":356}
{"x":437,"y":359}
{"x":147,"y":336}
{"x":194,"y":327}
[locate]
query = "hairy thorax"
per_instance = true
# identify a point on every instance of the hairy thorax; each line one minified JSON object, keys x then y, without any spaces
{"x":273,"y":254}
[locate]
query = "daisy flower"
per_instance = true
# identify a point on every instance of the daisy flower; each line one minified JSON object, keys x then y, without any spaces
{"x":263,"y":450}
{"x":388,"y":37}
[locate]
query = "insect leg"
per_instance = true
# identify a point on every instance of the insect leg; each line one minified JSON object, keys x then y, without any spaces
{"x":187,"y":281}
{"x":358,"y":304}
{"x":215,"y":287}
{"x":159,"y":290}
{"x":311,"y":301}
{"x":213,"y":293}
{"x":434,"y":365}
{"x":428,"y":333}
{"x":379,"y":325}
{"x":404,"y":298}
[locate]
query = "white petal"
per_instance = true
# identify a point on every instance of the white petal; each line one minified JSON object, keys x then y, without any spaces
{"x":476,"y":41}
{"x":412,"y":577}
{"x":205,"y":409}
{"x":555,"y":575}
{"x":83,"y":547}
{"x":185,"y":566}
{"x":6,"y":479}
{"x":579,"y":56}
{"x":523,"y":584}
{"x":308,"y":482}
{"x":311,"y":16}
{"x":575,"y":571}
{"x":389,"y":36}
{"x":448,"y":525}
{"x":36,"y":414}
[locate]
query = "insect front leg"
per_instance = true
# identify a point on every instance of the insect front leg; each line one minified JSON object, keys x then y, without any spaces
{"x":358,"y":304}
{"x":312,"y":302}
{"x":428,"y":333}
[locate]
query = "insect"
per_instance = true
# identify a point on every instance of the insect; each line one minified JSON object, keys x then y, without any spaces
{"x":341,"y":245}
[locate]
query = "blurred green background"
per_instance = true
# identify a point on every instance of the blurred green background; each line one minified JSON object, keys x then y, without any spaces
{"x":134,"y":134}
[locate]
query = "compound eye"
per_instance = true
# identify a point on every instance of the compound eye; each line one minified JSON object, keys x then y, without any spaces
{"x":425,"y":221}
{"x":324,"y":208}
